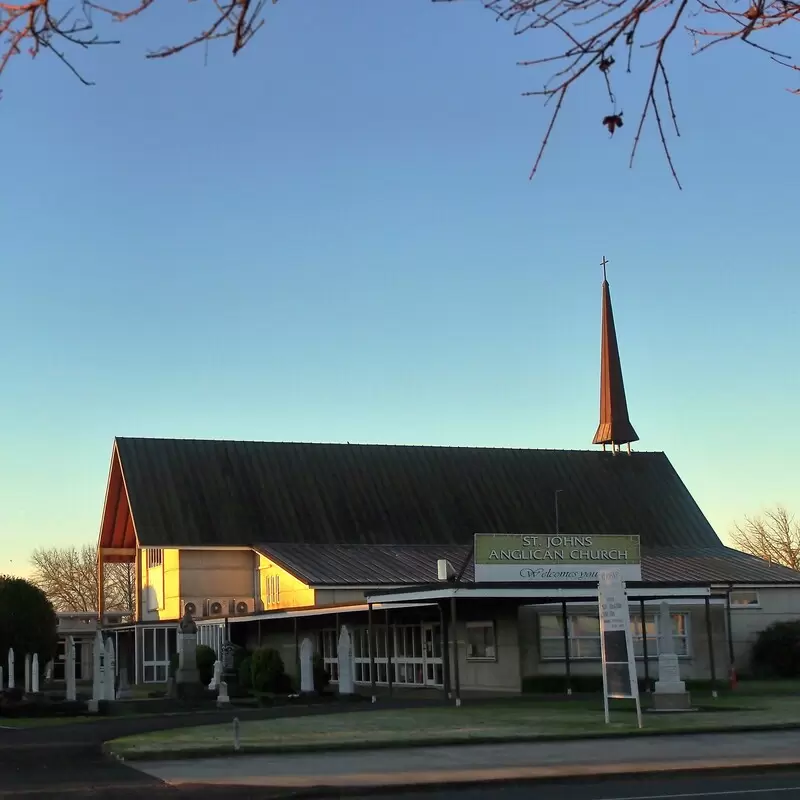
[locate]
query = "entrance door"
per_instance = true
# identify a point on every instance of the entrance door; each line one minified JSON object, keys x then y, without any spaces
{"x":432,"y":654}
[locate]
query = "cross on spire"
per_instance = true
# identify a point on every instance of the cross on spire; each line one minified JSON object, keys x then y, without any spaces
{"x":603,"y":265}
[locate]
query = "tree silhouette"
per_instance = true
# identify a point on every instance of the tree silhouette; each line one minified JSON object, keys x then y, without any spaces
{"x":603,"y":35}
{"x":773,"y":536}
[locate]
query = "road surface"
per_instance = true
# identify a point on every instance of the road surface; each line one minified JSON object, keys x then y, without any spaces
{"x":768,"y":786}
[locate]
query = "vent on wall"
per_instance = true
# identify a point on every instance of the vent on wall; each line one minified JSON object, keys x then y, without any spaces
{"x":216,"y":608}
{"x":194,"y":607}
{"x":241,"y":607}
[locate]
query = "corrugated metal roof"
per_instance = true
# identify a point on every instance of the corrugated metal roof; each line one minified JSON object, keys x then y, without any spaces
{"x":366,"y":565}
{"x":713,"y":565}
{"x":214,"y":493}
{"x":384,"y":565}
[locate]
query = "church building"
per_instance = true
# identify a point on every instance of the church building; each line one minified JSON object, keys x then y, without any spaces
{"x":269,"y":543}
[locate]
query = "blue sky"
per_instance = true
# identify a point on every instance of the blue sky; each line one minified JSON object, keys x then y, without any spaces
{"x":332,"y":237}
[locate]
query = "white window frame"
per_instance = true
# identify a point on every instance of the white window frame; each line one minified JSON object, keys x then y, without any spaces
{"x":273,"y":587}
{"x":212,"y":635}
{"x":740,"y":606}
{"x":155,"y":561}
{"x":411,"y":666}
{"x":330,"y":648}
{"x":155,"y":663}
{"x":482,"y":625}
{"x":683,"y":642}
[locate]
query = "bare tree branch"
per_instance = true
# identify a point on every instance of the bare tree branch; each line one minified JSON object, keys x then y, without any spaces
{"x":594,"y":34}
{"x":68,"y":576}
{"x":773,"y":536}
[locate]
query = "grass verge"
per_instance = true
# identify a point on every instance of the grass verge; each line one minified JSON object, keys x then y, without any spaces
{"x":506,"y":721}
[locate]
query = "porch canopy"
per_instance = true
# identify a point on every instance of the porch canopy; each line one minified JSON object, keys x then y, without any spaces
{"x":498,"y":597}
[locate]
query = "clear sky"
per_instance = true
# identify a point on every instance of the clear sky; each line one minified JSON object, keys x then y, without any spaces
{"x":332,"y":237}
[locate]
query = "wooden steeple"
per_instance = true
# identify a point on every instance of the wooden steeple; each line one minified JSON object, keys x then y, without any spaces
{"x":615,"y":426}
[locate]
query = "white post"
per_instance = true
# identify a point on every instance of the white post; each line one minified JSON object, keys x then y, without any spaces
{"x":27,"y":678}
{"x":109,"y":682}
{"x":69,"y":669}
{"x":306,"y":667}
{"x":99,"y":653}
{"x":345,"y":654}
{"x":11,"y":683}
{"x":35,"y":674}
{"x":217,"y":677}
{"x":110,"y":664}
{"x":223,"y":700}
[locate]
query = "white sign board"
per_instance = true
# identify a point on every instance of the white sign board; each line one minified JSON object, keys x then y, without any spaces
{"x":616,"y":643}
{"x":542,"y":558}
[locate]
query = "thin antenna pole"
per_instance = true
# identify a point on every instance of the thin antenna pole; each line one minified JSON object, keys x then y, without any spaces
{"x":555,"y":495}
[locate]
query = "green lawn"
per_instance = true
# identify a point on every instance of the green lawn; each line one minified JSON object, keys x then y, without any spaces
{"x":504,"y":720}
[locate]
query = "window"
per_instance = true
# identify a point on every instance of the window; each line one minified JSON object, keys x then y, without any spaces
{"x":481,"y":641}
{"x":273,"y":590}
{"x":680,"y":635}
{"x":158,"y":645}
{"x":745,"y":598}
{"x":212,"y":635}
{"x":416,"y":654}
{"x":155,"y":557}
{"x":330,"y":650}
{"x":584,"y":636}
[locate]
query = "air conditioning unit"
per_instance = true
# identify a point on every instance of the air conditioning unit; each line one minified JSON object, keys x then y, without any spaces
{"x":217,"y":607}
{"x":194,"y":607}
{"x":243,"y":606}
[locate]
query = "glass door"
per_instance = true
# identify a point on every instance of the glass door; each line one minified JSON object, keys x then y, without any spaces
{"x":432,"y":652}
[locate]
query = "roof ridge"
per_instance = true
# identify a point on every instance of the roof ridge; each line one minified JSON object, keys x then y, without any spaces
{"x":378,"y":444}
{"x":343,"y":545}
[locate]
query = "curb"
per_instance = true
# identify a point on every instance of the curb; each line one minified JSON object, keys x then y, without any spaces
{"x":442,"y":741}
{"x":361,"y":785}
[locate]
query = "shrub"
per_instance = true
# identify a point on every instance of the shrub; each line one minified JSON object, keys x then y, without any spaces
{"x":593,"y":684}
{"x":28,"y":623}
{"x":246,"y":674}
{"x":267,"y":671}
{"x":239,"y":654}
{"x":204,"y":658}
{"x":321,"y":675}
{"x":776,"y":652}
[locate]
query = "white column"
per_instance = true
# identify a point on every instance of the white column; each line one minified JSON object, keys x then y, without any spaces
{"x":137,"y":674}
{"x":69,"y":668}
{"x":98,"y":654}
{"x":35,"y":674}
{"x":109,"y":687}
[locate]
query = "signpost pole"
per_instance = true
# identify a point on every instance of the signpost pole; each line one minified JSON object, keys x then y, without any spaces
{"x":616,"y":642}
{"x":604,"y":662}
{"x":632,"y":668}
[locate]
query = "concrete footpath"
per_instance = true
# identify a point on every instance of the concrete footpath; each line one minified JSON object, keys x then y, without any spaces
{"x":470,"y":764}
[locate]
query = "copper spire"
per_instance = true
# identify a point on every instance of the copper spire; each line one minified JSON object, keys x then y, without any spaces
{"x":615,"y":426}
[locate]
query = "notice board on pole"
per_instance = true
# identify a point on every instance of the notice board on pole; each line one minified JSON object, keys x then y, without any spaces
{"x":616,"y":643}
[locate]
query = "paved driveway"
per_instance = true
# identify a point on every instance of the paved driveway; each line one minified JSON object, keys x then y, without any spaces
{"x":64,"y":761}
